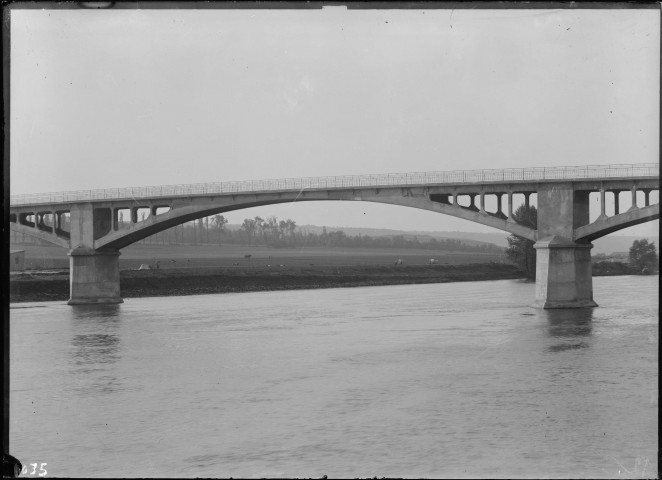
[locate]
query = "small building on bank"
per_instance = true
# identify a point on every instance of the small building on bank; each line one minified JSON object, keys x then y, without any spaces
{"x":16,"y":260}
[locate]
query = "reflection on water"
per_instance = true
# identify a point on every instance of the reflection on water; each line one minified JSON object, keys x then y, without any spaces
{"x":567,"y":325}
{"x":97,"y":312}
{"x":95,"y":345}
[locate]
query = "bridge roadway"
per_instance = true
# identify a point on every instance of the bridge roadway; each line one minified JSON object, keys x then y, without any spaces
{"x":95,"y":230}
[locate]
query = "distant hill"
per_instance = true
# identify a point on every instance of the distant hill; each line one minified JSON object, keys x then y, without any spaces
{"x":608,"y":244}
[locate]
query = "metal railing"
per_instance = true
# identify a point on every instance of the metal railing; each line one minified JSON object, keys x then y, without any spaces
{"x":347,"y":181}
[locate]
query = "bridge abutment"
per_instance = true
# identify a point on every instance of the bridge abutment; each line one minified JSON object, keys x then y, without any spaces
{"x":94,"y":277}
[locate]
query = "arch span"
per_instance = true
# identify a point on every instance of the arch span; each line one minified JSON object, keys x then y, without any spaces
{"x":45,"y":236}
{"x":188,"y":212}
{"x":126,"y":236}
{"x":483,"y":218}
{"x":607,"y":225}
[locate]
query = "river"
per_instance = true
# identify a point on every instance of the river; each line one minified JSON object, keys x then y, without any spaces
{"x":437,"y":380}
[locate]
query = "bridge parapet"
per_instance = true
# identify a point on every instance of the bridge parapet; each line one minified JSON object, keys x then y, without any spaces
{"x":509,"y":175}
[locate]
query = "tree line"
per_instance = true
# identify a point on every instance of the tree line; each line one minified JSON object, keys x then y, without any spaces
{"x":273,"y":232}
{"x":520,"y":250}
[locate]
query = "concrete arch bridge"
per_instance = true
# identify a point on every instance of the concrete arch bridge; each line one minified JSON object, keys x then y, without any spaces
{"x":96,"y":231}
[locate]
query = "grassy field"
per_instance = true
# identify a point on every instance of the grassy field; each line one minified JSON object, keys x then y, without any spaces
{"x":196,"y":269}
{"x":233,"y":256}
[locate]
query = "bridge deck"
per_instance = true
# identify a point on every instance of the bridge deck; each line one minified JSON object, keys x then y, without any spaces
{"x":390,"y":180}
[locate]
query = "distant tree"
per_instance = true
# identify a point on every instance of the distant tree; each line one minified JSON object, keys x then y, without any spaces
{"x":249,"y":226}
{"x":272,"y":232}
{"x":287,"y":227}
{"x":201,"y":230}
{"x":520,"y":250}
{"x":643,"y":256}
{"x":259,"y":225}
{"x":219,"y":222}
{"x":324,"y":237}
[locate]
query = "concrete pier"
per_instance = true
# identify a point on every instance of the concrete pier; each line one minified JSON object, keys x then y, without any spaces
{"x":563,"y":274}
{"x":563,"y":267}
{"x":94,"y":277}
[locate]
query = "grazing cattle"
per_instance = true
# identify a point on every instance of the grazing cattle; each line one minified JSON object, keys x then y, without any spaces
{"x":434,"y":261}
{"x":235,"y":263}
{"x":398,"y":262}
{"x":248,"y":257}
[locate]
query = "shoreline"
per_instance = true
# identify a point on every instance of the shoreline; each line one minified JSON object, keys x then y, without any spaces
{"x":54,"y":286}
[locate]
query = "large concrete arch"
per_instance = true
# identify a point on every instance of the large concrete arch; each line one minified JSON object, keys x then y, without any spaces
{"x":152,"y":225}
{"x":34,"y":232}
{"x":179,"y":214}
{"x":483,"y":218}
{"x":607,"y":225}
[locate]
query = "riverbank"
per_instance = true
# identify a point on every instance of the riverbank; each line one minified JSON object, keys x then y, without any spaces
{"x":54,"y":285}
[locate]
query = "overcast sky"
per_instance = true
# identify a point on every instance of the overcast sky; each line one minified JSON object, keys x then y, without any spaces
{"x":111,"y":98}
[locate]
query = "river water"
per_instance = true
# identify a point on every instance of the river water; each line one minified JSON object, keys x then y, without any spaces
{"x":441,"y":380}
